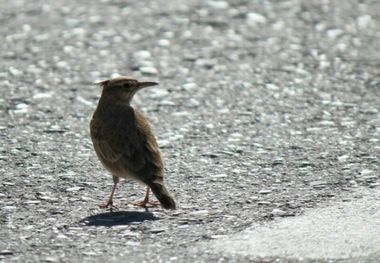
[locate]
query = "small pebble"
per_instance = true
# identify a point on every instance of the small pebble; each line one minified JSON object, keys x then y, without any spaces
{"x":142,"y":55}
{"x":164,"y":42}
{"x":318,"y":184}
{"x":148,"y":70}
{"x":278,"y":212}
{"x":15,"y":72}
{"x":218,"y":175}
{"x":363,"y":21}
{"x":74,"y":189}
{"x":199,"y":213}
{"x":218,"y":4}
{"x":254,"y":19}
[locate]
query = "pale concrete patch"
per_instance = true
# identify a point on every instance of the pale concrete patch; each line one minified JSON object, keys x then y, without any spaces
{"x":341,"y":230}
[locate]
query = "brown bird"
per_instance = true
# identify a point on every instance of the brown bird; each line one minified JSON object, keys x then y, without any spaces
{"x":124,"y":142}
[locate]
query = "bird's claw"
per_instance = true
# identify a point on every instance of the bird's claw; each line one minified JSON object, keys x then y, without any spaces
{"x":109,"y":205}
{"x":145,"y":204}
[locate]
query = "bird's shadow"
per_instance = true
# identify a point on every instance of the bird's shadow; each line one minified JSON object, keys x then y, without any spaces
{"x":117,"y":218}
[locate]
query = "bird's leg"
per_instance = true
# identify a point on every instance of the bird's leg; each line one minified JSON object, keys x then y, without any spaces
{"x":110,"y":201}
{"x":145,"y":203}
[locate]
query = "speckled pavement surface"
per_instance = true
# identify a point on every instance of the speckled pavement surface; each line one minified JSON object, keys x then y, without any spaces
{"x":265,"y":109}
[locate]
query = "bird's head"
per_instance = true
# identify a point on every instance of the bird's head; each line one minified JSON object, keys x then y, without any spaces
{"x":123,"y":88}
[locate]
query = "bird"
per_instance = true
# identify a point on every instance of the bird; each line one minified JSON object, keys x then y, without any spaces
{"x":125,"y":144}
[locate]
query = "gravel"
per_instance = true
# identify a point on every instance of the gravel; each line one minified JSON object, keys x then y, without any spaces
{"x":264,"y":109}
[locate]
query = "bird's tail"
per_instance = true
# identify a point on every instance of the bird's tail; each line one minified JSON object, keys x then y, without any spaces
{"x":163,"y":195}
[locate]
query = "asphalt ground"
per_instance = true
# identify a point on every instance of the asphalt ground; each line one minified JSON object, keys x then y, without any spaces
{"x":265,"y":109}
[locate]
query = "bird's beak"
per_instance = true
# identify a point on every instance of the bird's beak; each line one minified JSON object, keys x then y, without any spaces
{"x":147,"y":84}
{"x":101,"y":82}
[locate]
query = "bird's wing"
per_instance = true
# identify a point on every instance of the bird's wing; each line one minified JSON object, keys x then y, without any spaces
{"x":119,"y":138}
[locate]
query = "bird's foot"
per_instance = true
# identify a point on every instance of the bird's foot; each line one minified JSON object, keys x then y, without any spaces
{"x":109,"y":205}
{"x":145,"y":203}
